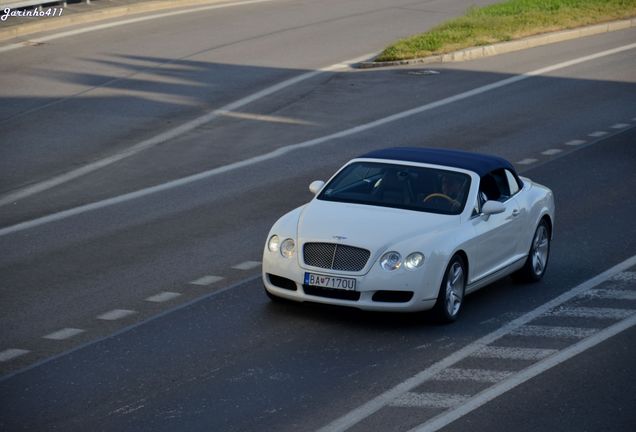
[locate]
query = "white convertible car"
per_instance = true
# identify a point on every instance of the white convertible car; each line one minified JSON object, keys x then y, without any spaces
{"x":409,"y":229}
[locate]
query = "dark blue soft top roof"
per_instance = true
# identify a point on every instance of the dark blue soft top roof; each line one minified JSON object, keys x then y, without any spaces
{"x":480,"y":163}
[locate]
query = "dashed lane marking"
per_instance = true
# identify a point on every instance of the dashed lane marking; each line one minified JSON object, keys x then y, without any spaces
{"x":576,"y":142}
{"x":10,"y":354}
{"x":207,"y":280}
{"x":116,"y":314}
{"x":247,"y":265}
{"x":65,"y":333}
{"x":513,"y":353}
{"x":611,"y":294}
{"x":588,"y":312}
{"x":551,"y":152}
{"x":554,"y":332}
{"x":527,"y":161}
{"x":598,"y":134}
{"x":163,"y":297}
{"x":429,"y":400}
{"x":620,"y":126}
{"x":480,"y":375}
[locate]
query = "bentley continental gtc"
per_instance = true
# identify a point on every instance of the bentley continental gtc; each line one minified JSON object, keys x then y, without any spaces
{"x":410,"y":229}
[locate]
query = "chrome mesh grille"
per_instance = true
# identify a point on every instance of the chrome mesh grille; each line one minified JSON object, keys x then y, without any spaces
{"x":335,"y":256}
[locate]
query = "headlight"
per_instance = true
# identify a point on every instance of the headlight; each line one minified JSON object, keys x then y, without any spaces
{"x":414,"y":260}
{"x":287,"y":248}
{"x":391,"y":261}
{"x":273,"y":244}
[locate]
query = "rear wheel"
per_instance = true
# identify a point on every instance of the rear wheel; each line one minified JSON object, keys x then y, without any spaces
{"x":451,"y":292}
{"x":537,"y":261}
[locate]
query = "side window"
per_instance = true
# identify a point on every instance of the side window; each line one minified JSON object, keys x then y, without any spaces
{"x":512,"y":183}
{"x":495,"y":185}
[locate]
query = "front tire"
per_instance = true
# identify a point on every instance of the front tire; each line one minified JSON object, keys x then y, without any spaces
{"x":451,"y":292}
{"x":537,"y":261}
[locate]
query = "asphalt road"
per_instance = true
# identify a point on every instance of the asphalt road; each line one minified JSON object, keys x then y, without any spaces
{"x":230,"y":360}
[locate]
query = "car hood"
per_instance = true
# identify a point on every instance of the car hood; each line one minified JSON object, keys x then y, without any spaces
{"x":370,"y":227}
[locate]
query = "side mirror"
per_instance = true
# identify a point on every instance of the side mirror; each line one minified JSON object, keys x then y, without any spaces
{"x":492,"y":207}
{"x":315,"y":186}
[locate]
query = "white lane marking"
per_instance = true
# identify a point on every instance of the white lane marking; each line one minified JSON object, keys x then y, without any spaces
{"x":597,"y":134}
{"x":268,"y":118}
{"x":247,"y":265}
{"x":554,"y":332}
{"x":551,"y":152}
{"x":513,"y":353}
{"x":125,"y":22}
{"x":116,"y":314}
{"x":429,"y":400}
{"x":527,"y":161}
{"x":587,"y":312}
{"x":626,"y":276}
{"x":480,"y":375}
{"x":497,"y":390}
{"x":365,"y":410}
{"x":64,"y":333}
{"x":163,"y":297}
{"x":206,"y":280}
{"x":611,"y":294}
{"x":576,"y":142}
{"x":305,"y":144}
{"x":11,"y":353}
{"x":170,"y":134}
{"x":620,"y":126}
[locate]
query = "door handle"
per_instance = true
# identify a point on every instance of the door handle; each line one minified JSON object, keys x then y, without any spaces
{"x":515,"y":213}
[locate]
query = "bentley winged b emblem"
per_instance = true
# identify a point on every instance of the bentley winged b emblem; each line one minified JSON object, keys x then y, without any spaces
{"x":339,"y":238}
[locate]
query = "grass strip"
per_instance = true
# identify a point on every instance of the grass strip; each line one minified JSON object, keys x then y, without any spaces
{"x":512,"y":19}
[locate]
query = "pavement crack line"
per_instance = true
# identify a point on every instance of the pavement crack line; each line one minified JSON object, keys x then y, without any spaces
{"x":281,"y":151}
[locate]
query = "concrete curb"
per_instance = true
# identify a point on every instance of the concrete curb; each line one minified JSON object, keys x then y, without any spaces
{"x":506,"y":47}
{"x":98,"y":15}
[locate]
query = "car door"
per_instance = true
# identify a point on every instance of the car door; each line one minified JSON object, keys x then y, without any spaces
{"x":495,"y":243}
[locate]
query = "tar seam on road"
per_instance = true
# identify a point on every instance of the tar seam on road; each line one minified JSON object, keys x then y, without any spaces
{"x":305,"y":144}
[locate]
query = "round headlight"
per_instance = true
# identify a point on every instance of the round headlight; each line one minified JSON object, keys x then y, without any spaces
{"x":274,"y":243}
{"x":414,"y":260}
{"x":287,"y":248}
{"x":391,"y":261}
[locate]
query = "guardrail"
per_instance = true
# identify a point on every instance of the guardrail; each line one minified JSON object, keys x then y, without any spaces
{"x":11,"y":4}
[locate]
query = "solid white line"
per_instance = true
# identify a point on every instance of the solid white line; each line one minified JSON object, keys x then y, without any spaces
{"x":513,"y":353}
{"x":576,"y":142}
{"x":164,"y":136}
{"x":429,"y":400}
{"x":527,"y":161}
{"x":554,"y":332}
{"x":306,"y":144}
{"x":587,"y":312}
{"x":163,"y":297}
{"x":480,"y":375}
{"x":125,"y":22}
{"x":356,"y":415}
{"x":10,"y":354}
{"x":247,"y":265}
{"x":116,"y":314}
{"x":206,"y":280}
{"x":527,"y":374}
{"x":65,"y":333}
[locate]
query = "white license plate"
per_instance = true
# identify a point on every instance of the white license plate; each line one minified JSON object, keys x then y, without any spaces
{"x":334,"y":282}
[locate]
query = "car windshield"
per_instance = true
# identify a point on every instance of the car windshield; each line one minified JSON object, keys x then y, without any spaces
{"x":400,"y":186}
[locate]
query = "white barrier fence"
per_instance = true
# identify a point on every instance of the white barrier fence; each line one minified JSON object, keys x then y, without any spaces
{"x":20,"y":4}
